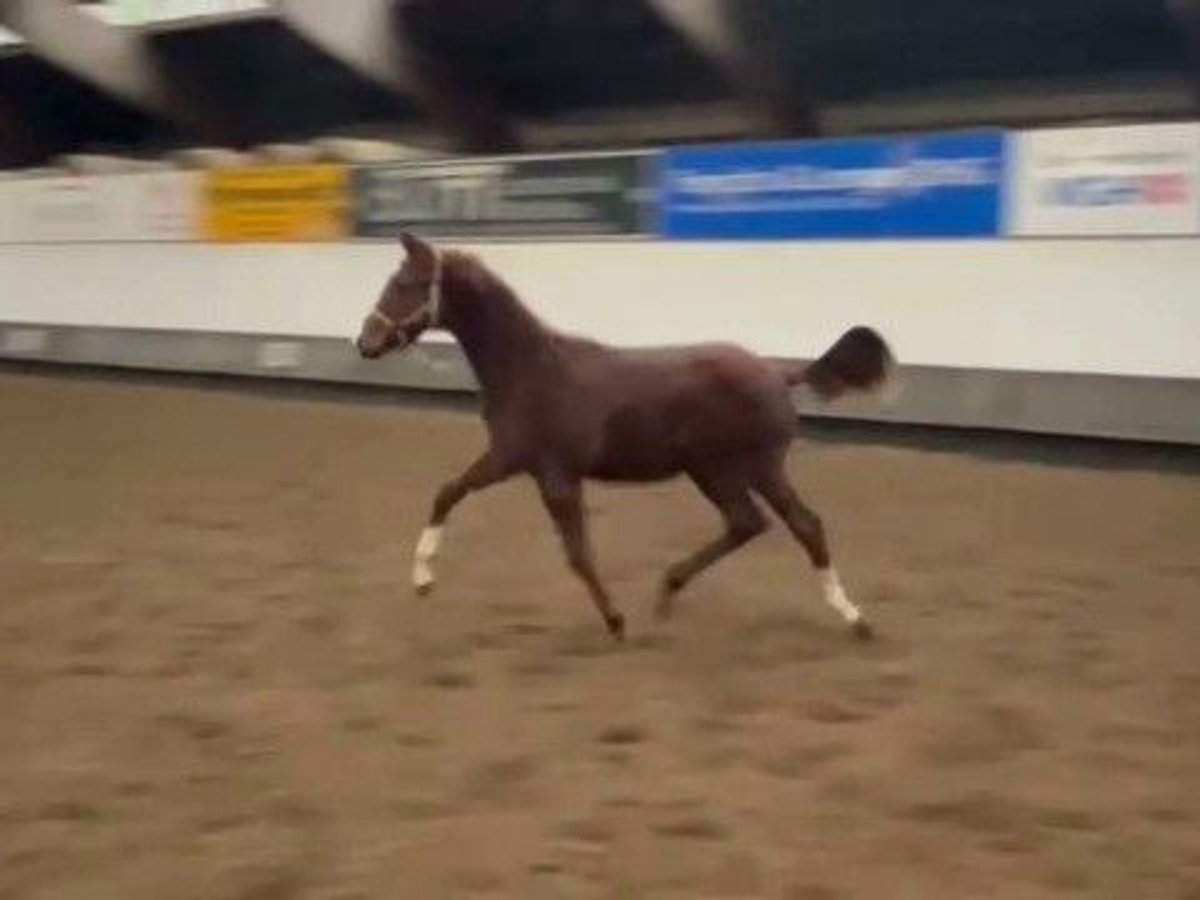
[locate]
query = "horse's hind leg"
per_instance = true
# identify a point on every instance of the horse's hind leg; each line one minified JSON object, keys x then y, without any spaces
{"x":563,"y":497}
{"x":728,"y":492}
{"x":489,"y":469}
{"x":808,"y":529}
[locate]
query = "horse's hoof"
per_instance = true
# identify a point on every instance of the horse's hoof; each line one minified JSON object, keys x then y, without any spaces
{"x":863,"y":630}
{"x":423,"y":588}
{"x":616,"y":626}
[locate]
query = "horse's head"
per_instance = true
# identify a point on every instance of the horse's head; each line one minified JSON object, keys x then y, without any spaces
{"x":409,"y":304}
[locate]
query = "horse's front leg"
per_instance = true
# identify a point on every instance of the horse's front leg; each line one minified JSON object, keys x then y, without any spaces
{"x":563,"y":497}
{"x":486,"y":471}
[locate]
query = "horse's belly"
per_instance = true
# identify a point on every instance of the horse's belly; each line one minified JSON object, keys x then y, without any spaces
{"x":651,"y":446}
{"x":635,"y":469}
{"x":635,"y":447}
{"x":669,"y":419}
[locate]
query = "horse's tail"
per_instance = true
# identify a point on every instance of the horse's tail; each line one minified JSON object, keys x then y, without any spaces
{"x":860,"y":361}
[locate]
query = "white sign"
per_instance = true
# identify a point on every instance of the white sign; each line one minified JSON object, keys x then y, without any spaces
{"x":48,"y":210}
{"x":149,"y":206}
{"x":159,"y":206}
{"x":1122,"y":180}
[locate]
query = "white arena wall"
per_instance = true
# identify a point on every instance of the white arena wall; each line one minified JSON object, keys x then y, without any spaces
{"x":1075,"y":336}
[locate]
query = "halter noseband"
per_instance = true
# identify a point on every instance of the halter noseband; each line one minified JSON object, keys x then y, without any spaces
{"x":432,"y":307}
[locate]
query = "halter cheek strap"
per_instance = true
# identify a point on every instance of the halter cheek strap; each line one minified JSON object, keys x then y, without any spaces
{"x":434,"y":303}
{"x":432,"y":307}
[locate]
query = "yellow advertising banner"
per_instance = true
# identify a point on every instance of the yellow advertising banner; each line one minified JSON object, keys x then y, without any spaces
{"x":277,"y":203}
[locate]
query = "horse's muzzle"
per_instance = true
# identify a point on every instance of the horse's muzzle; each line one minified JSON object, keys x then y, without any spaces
{"x":394,"y":342}
{"x":367,"y":352}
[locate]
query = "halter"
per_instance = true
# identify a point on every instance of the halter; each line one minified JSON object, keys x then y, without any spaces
{"x":432,"y":307}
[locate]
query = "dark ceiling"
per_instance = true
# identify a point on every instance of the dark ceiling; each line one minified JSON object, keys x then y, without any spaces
{"x":535,"y":58}
{"x":264,"y":82}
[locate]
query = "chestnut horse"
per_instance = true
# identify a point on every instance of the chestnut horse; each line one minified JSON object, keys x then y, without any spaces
{"x":565,"y":409}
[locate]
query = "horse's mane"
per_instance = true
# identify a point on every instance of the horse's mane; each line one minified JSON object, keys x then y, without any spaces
{"x":473,"y":270}
{"x":489,"y":286}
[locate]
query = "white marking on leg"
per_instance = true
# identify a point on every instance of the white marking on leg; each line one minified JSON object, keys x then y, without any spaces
{"x":424,"y":555}
{"x":835,"y":595}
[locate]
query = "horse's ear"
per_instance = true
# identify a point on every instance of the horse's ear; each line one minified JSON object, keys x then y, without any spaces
{"x":418,"y":251}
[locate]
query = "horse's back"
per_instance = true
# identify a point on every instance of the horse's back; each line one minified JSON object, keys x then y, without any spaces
{"x":659,"y":411}
{"x":729,"y":399}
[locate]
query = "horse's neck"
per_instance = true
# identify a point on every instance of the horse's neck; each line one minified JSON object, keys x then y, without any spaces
{"x":503,"y":341}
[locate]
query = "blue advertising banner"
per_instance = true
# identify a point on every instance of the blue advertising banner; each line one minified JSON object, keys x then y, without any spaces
{"x":924,"y":186}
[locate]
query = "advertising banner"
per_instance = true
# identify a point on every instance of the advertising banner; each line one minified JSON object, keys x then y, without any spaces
{"x":928,"y":186}
{"x":532,"y":197}
{"x":276,"y":203}
{"x":1121,"y":180}
{"x":151,"y":206}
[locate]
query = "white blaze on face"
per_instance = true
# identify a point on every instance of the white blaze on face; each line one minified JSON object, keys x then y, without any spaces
{"x":426,"y":552}
{"x":835,"y":595}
